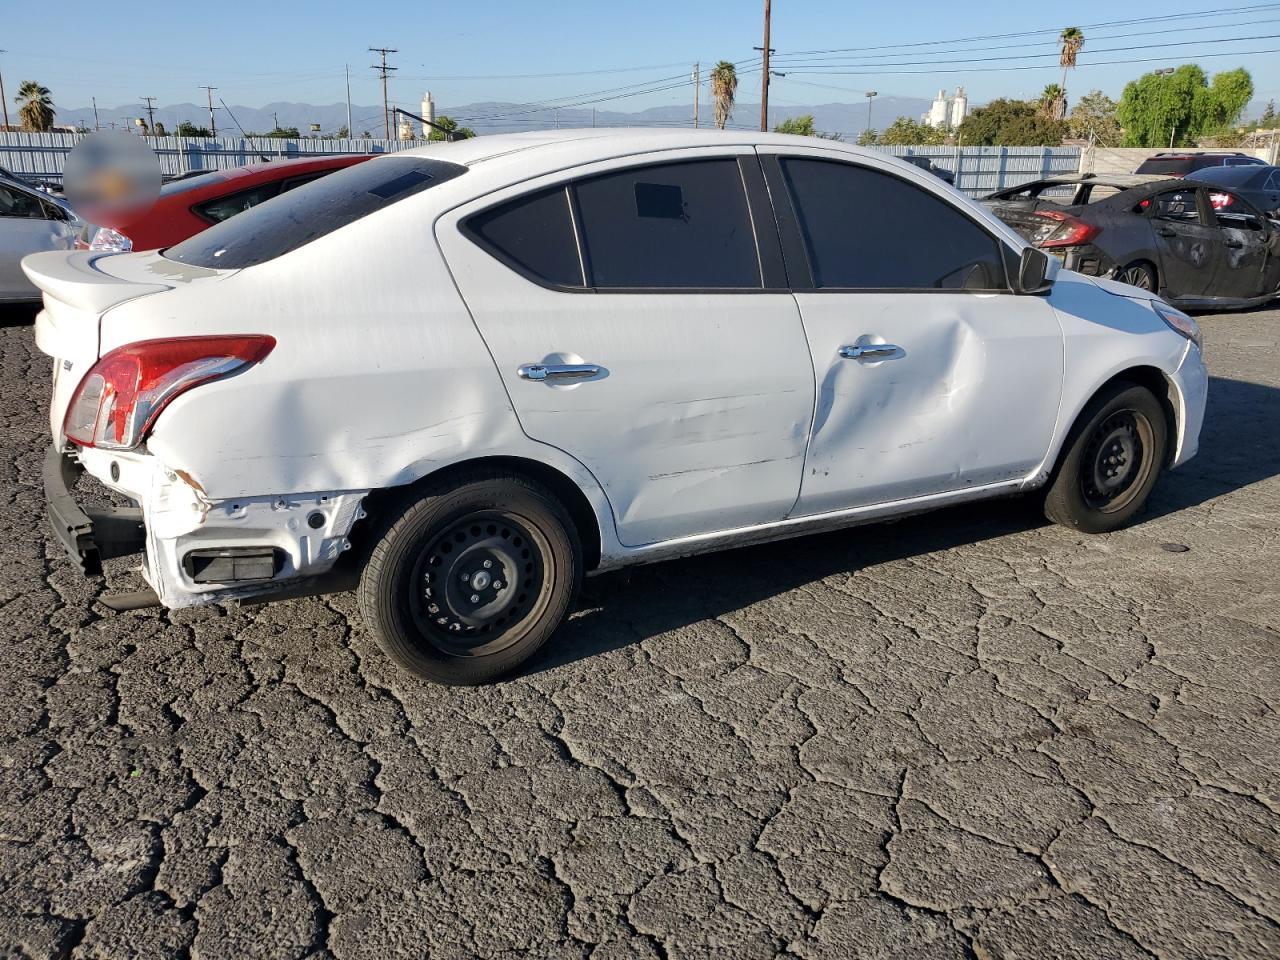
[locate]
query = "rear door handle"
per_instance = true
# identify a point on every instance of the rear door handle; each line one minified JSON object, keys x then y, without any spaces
{"x":558,"y":371}
{"x":1233,"y":244}
{"x":870,"y":351}
{"x":1166,"y":232}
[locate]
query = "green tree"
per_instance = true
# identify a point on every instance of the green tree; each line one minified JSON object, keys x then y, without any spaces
{"x":868,"y":138}
{"x":905,"y":132}
{"x":803,"y":127}
{"x":343,"y":132}
{"x":1053,"y":101}
{"x":188,"y":129}
{"x":1093,"y":118}
{"x":450,"y":124}
{"x":1182,"y":106}
{"x":283,"y":133}
{"x":1010,"y":123}
{"x":35,"y":110}
{"x":724,"y":89}
{"x":1070,"y":43}
{"x":1268,"y":118}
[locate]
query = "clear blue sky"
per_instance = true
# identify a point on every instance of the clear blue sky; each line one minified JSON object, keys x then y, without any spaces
{"x":261,"y":52}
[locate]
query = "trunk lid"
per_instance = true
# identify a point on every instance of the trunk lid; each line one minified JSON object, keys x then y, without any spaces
{"x":79,"y":287}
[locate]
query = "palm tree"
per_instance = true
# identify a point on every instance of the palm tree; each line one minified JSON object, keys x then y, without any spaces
{"x":1053,"y":101}
{"x":724,"y":87}
{"x":36,"y":111}
{"x":1071,"y":42}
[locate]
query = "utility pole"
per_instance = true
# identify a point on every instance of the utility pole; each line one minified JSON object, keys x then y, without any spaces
{"x":95,"y":109}
{"x":764,"y":79}
{"x":213,"y":126}
{"x":347,"y":69}
{"x":151,"y":113}
{"x":3,"y":100}
{"x":383,"y":70}
{"x":697,"y":91}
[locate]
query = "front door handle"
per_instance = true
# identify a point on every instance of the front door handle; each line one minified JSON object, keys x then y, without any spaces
{"x":1233,"y":244}
{"x":557,"y":371}
{"x":1166,"y":232}
{"x":870,"y":351}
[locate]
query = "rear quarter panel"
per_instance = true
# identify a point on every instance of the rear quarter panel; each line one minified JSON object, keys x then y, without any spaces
{"x":378,"y":376}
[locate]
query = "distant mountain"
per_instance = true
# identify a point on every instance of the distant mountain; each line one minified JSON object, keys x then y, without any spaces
{"x":846,"y":119}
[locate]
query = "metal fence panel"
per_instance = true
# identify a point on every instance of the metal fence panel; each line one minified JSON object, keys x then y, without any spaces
{"x":43,"y":155}
{"x":978,"y":170}
{"x":981,"y":170}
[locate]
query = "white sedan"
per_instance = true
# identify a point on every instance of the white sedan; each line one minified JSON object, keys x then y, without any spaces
{"x":30,"y":221}
{"x":475,"y":371}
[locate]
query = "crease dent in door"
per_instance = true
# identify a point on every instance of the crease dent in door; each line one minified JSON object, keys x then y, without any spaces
{"x":933,"y":388}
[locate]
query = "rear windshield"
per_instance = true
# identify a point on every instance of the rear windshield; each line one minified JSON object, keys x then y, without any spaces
{"x":1165,"y":165}
{"x":293,"y":219}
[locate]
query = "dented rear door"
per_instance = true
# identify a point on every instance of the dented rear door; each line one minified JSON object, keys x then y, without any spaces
{"x":660,"y":352}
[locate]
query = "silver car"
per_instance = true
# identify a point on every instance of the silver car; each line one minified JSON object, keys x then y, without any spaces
{"x":30,"y":222}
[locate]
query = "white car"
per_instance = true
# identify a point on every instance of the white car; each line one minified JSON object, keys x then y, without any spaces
{"x":486,"y":368}
{"x":30,"y":221}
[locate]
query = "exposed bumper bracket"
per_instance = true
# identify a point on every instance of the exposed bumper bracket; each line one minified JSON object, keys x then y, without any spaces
{"x":91,"y":536}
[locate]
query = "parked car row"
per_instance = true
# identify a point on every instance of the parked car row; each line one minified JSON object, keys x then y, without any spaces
{"x":478,"y":370}
{"x":1199,"y":242}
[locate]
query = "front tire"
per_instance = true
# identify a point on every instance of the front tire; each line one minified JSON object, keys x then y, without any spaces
{"x":470,"y":577}
{"x":1141,"y":275}
{"x":1111,"y":461}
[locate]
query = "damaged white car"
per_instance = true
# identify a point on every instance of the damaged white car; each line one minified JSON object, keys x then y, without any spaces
{"x":474,"y":372}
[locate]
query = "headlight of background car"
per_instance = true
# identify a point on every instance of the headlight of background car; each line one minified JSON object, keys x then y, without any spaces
{"x":1179,"y":321}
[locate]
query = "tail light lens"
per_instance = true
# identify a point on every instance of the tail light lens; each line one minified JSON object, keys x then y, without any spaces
{"x":1062,"y":230}
{"x":106,"y":240}
{"x":122,"y":394}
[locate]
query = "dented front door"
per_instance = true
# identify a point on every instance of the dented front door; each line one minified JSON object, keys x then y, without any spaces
{"x":967,"y":396}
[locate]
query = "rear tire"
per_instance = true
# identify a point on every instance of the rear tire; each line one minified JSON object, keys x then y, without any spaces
{"x":467,"y":579}
{"x":1111,"y":461}
{"x":1141,"y":275}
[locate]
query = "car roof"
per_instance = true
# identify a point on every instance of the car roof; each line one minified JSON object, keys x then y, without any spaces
{"x":1237,"y":176}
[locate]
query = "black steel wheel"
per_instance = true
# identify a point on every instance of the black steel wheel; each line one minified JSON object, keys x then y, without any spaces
{"x":468,"y":578}
{"x":1115,"y":464}
{"x":480,"y":575}
{"x":1110,"y":462}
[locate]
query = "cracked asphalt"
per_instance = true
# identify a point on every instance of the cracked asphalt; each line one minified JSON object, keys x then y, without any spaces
{"x":969,"y":734}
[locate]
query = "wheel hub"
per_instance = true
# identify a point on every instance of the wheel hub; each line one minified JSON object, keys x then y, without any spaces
{"x":477,"y":577}
{"x":1113,"y":460}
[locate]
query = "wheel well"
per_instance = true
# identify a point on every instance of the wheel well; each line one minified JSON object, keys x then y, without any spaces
{"x":568,"y":493}
{"x":1162,"y":388}
{"x":1155,"y":271}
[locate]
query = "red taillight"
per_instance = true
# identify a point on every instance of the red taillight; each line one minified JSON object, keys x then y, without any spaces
{"x":122,"y":394}
{"x":1220,"y":201}
{"x":1062,"y":230}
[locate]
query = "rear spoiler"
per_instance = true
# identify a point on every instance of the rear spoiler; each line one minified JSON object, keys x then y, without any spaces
{"x":71,"y":278}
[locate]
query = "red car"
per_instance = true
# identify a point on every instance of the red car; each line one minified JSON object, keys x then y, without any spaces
{"x":195,"y":203}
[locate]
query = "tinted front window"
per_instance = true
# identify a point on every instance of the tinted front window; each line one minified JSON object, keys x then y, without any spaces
{"x":535,"y":234}
{"x":296,"y":218}
{"x":870,"y":230}
{"x":16,"y":203}
{"x":675,"y":225}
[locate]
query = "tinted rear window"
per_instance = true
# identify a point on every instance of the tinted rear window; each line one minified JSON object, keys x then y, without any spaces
{"x":536,"y":234}
{"x":1165,"y":165}
{"x":296,"y":218}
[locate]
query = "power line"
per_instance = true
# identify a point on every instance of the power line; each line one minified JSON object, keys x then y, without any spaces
{"x":1053,"y":30}
{"x":1031,"y":56}
{"x":151,"y":113}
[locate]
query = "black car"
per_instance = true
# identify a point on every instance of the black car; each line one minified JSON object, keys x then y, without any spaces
{"x":1181,"y":164}
{"x":1260,"y":185}
{"x":924,"y":163}
{"x":1156,"y":233}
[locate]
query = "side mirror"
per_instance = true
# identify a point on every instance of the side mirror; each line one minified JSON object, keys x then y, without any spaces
{"x":1033,"y":272}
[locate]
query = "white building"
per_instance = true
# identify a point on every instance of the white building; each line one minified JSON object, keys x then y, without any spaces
{"x":947,"y":111}
{"x":428,"y":113}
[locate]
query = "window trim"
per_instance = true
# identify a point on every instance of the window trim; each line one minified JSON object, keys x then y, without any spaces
{"x":770,"y":261}
{"x":198,"y":208}
{"x":796,"y":250}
